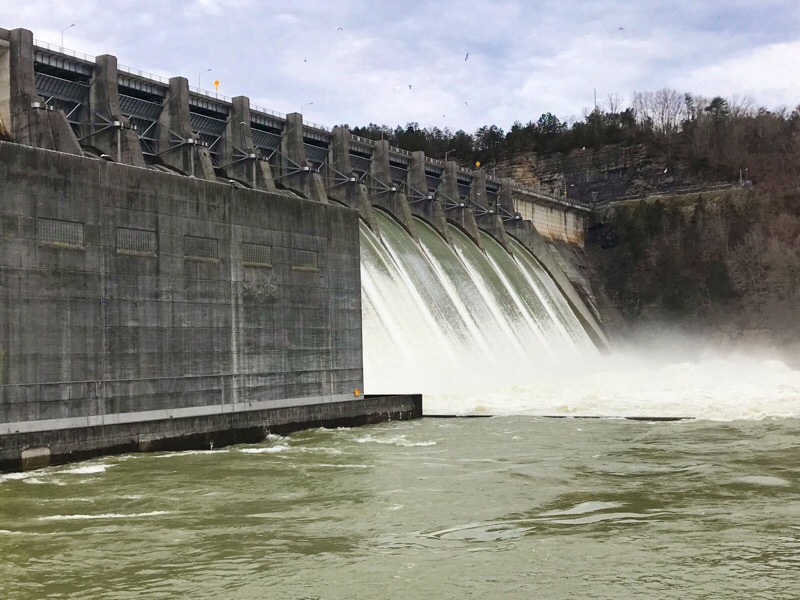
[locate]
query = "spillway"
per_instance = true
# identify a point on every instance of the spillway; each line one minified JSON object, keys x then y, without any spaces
{"x":437,"y":317}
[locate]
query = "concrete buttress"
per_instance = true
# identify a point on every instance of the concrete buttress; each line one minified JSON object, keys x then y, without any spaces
{"x":385,"y":192}
{"x":239,"y":157}
{"x":429,"y":209}
{"x":110,"y":132}
{"x":31,"y":123}
{"x":298,"y":174}
{"x":342,"y":185}
{"x":486,"y":216}
{"x":178,"y":146}
{"x":461,"y":216}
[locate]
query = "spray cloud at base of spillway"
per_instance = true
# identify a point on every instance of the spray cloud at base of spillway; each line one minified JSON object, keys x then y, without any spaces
{"x":488,"y":332}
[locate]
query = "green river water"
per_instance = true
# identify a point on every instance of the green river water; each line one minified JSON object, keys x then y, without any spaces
{"x":504,"y":507}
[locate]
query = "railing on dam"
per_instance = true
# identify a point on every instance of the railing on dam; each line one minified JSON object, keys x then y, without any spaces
{"x":210,"y":112}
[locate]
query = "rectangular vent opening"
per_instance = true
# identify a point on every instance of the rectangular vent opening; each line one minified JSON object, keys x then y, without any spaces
{"x":305,"y":260}
{"x":256,"y":255}
{"x":63,"y":234}
{"x":200,"y":248}
{"x":137,"y":242}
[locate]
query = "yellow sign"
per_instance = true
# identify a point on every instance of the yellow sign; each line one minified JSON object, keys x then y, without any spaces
{"x":216,"y":84}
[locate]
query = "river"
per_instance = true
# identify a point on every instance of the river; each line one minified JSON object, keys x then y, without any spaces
{"x":512,"y":506}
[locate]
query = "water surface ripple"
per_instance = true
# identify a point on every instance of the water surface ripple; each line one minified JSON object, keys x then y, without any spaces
{"x":511,"y":507}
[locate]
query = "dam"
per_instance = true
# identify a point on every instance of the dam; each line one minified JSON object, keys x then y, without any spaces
{"x":184,"y":270}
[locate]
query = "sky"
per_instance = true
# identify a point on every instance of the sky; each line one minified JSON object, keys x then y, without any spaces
{"x":456,"y":64}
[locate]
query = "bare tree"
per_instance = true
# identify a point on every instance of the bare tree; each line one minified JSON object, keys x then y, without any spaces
{"x":662,"y":109}
{"x":614,"y":103}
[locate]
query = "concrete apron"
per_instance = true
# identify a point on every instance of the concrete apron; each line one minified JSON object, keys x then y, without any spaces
{"x":33,"y":450}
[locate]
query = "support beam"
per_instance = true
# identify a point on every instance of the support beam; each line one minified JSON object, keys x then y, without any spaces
{"x":339,"y":185}
{"x":297,"y":173}
{"x":448,"y":194}
{"x":427,"y":208}
{"x":239,"y":157}
{"x":178,"y":146}
{"x":110,"y":132}
{"x":30,"y":121}
{"x":486,"y":216}
{"x":385,"y":192}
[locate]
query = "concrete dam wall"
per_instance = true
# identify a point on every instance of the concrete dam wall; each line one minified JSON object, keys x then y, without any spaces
{"x":157,"y":306}
{"x":178,"y":270}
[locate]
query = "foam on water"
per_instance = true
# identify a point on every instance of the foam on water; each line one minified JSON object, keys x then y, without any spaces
{"x":84,"y":470}
{"x":268,"y":450}
{"x":154,"y":513}
{"x":721,"y":388}
{"x":393,"y":440}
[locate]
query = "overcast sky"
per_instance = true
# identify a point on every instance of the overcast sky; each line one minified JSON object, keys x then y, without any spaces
{"x":392,"y":62}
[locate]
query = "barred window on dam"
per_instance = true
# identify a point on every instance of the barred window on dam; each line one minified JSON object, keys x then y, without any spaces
{"x":55,"y":232}
{"x":200,"y":248}
{"x":256,"y":255}
{"x":139,"y":242}
{"x":305,"y":260}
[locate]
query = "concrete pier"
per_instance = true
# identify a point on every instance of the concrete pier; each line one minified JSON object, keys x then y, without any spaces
{"x":296,"y":171}
{"x":178,"y":146}
{"x":342,"y":184}
{"x":455,"y":213}
{"x":28,"y":118}
{"x":386,"y":193}
{"x":423,"y":201}
{"x":486,"y":217}
{"x":109,"y":131}
{"x":240,"y":158}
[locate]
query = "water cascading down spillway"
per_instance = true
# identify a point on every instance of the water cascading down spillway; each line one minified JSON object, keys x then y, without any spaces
{"x":441,"y":318}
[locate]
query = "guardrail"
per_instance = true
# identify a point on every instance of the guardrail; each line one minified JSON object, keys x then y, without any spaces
{"x":695,"y":189}
{"x":62,"y":50}
{"x":317,"y":125}
{"x":551,"y":199}
{"x":268,"y":111}
{"x":358,"y":138}
{"x":207,"y":94}
{"x":399,"y":151}
{"x":143,"y":74}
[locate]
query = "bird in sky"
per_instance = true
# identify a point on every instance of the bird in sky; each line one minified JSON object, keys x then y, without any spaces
{"x":466,"y":57}
{"x":339,"y":29}
{"x":409,"y":86}
{"x":622,"y":29}
{"x":465,"y":102}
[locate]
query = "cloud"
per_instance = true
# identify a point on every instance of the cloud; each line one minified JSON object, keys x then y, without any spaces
{"x":526,"y":57}
{"x":765,"y":73}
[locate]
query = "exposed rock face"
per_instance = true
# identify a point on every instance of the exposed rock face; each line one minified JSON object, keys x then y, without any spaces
{"x":605,"y":174}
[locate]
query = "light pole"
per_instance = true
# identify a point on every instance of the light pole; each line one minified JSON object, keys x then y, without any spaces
{"x":448,"y":152}
{"x":304,"y":105}
{"x":198,"y":77}
{"x":62,"y":36}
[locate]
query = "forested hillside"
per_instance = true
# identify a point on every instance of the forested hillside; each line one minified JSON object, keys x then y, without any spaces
{"x":717,"y":139}
{"x":723,"y":264}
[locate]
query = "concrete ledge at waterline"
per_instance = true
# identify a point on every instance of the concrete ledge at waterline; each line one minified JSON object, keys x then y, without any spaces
{"x":32,"y":450}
